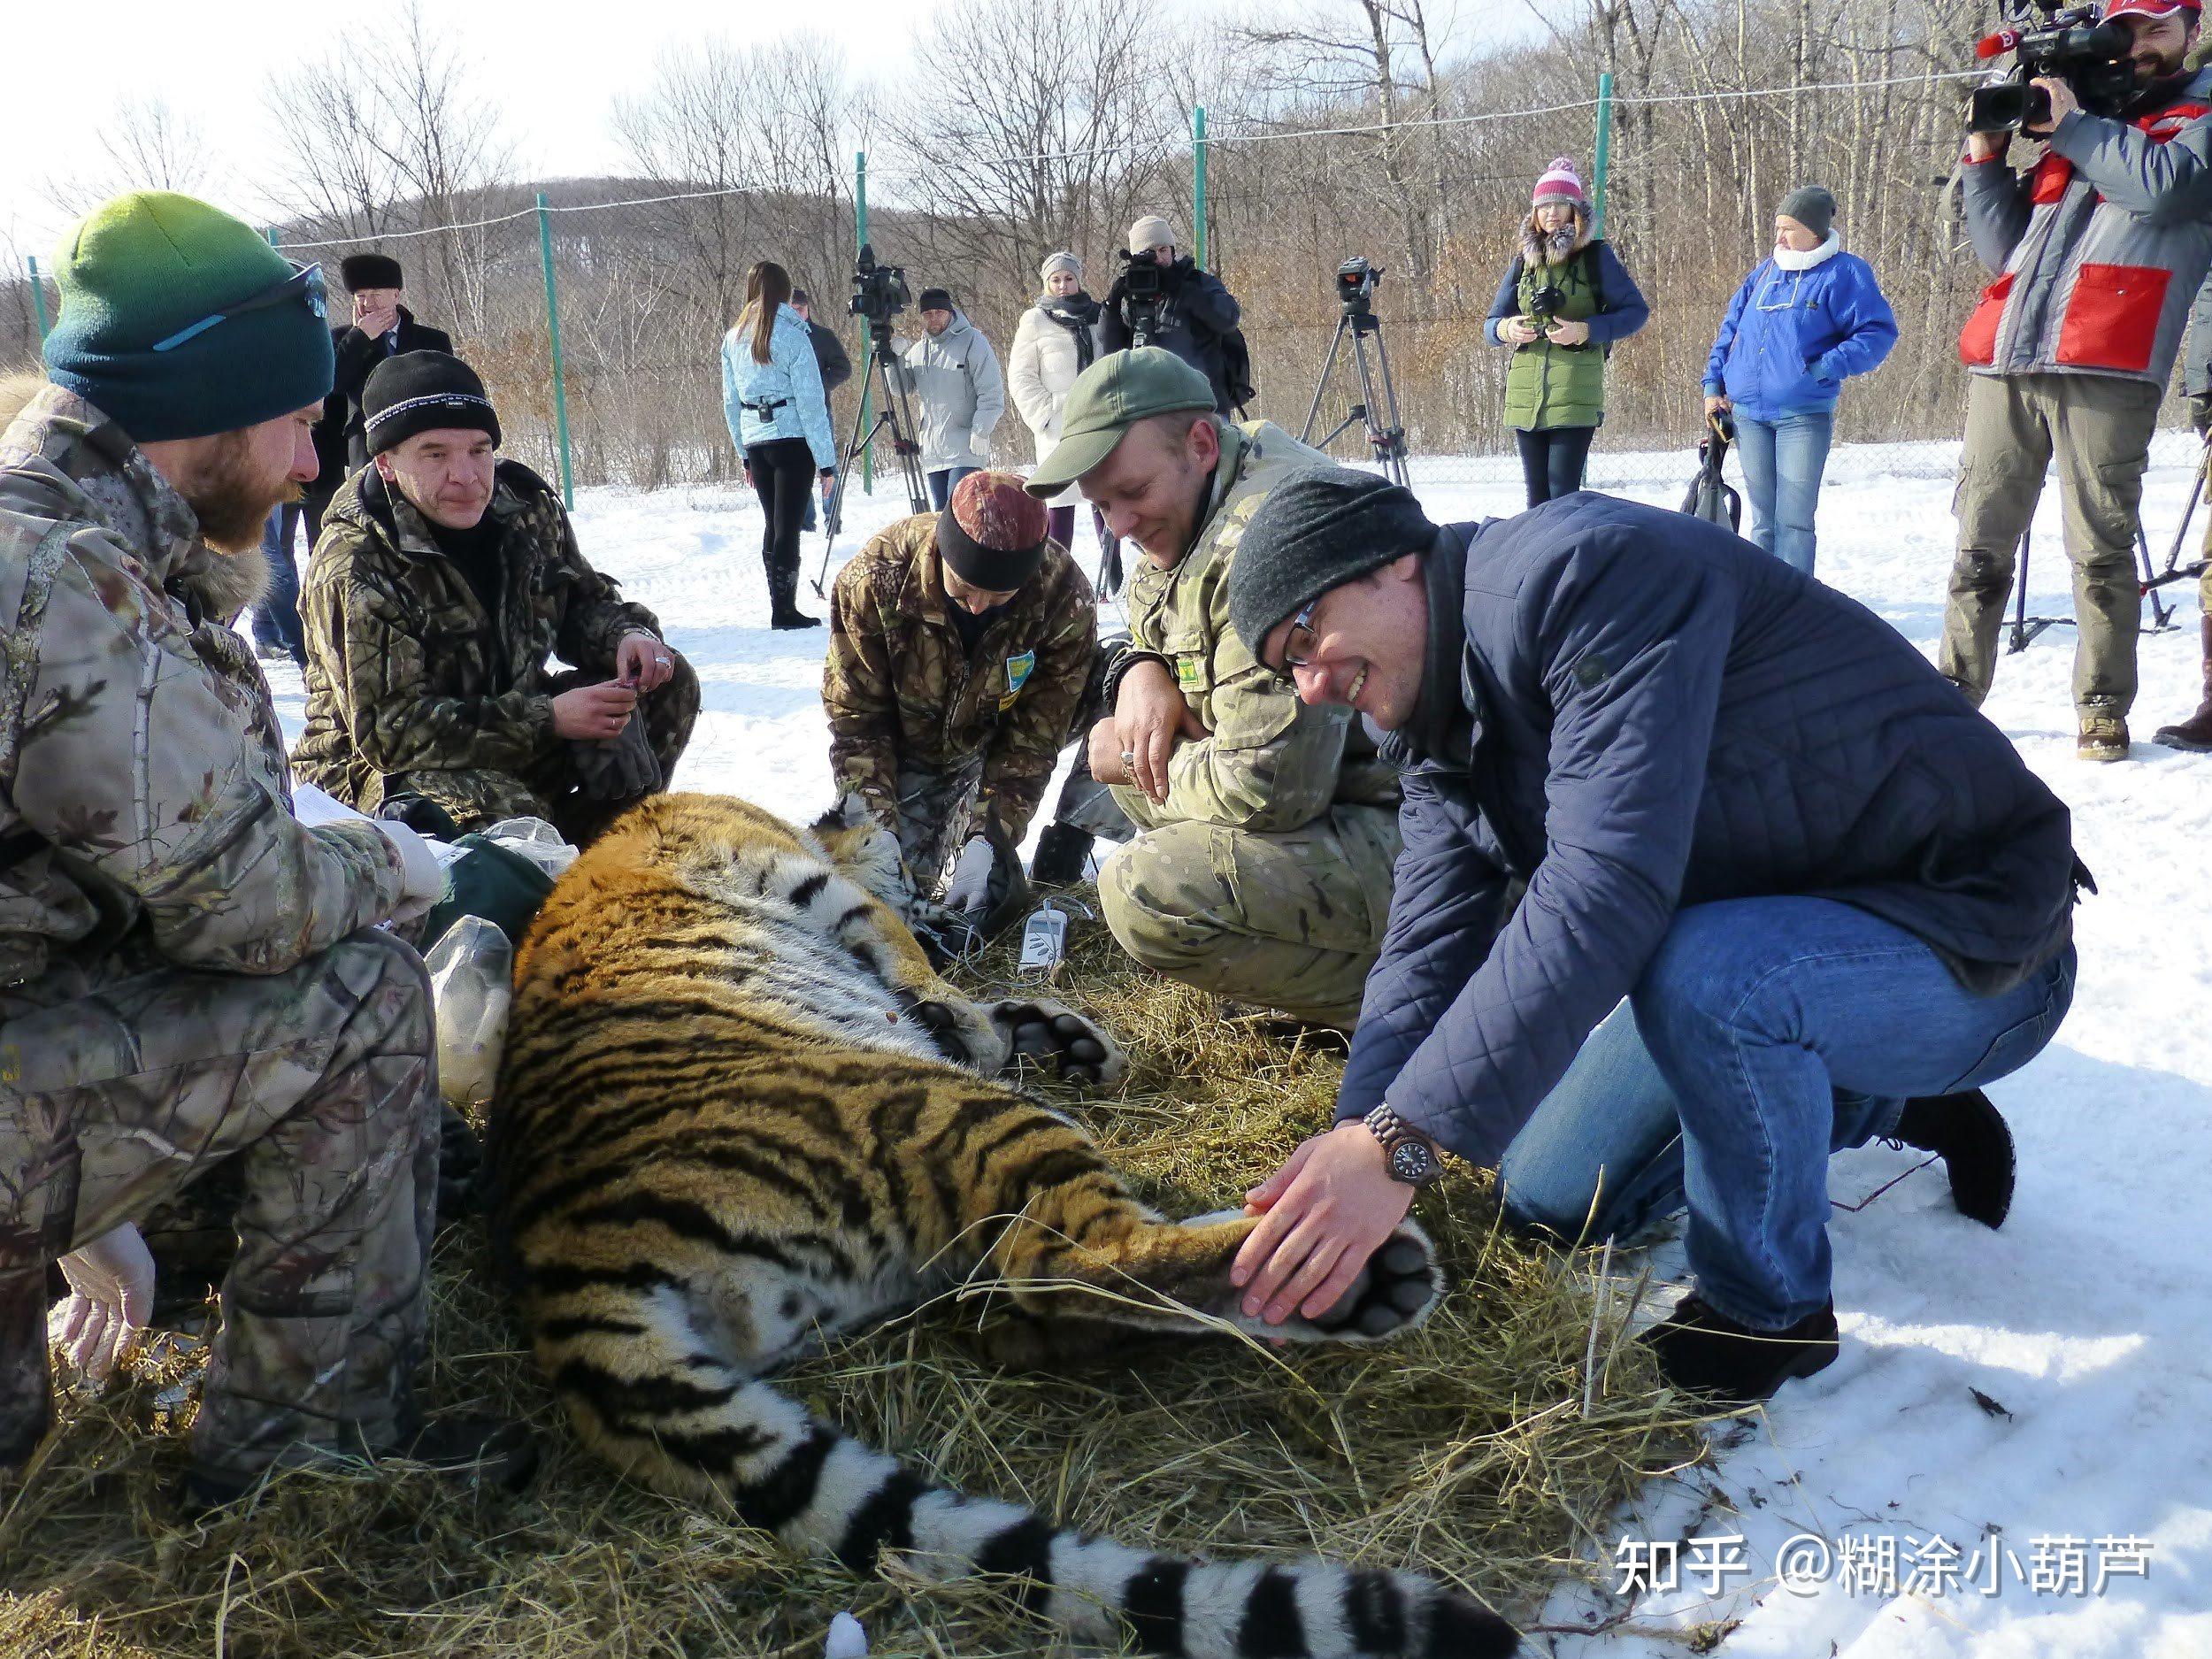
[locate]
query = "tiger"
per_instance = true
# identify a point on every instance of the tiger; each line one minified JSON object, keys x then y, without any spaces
{"x":738,"y":1113}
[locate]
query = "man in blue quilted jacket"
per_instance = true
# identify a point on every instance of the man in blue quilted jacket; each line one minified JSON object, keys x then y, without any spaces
{"x":1708,"y":873}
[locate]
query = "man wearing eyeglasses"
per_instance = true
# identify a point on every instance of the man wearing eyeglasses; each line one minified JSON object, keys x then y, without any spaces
{"x":1785,"y":893}
{"x":189,"y":977}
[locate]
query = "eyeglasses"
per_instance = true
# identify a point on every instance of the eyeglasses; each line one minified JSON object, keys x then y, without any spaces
{"x":1764,"y":300}
{"x":306,"y":282}
{"x":1298,"y":643}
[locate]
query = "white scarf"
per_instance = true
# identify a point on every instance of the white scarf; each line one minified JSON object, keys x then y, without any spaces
{"x":1790,"y":259}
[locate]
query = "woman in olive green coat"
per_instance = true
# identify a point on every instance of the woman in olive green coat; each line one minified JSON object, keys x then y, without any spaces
{"x":1564,"y":301}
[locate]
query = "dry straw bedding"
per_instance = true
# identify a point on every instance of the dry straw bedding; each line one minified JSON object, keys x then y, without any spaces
{"x":1466,"y":1450}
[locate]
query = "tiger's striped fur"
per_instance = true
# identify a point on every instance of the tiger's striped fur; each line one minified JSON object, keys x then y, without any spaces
{"x":738,"y":1110}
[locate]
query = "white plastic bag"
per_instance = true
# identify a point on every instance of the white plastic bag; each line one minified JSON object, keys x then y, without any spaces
{"x":472,"y":975}
{"x":535,"y":839}
{"x":846,"y":1639}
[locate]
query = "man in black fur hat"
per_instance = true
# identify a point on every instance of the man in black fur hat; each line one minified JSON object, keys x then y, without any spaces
{"x":381,"y":328}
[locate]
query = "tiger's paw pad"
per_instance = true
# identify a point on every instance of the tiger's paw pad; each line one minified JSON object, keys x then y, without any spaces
{"x":1056,"y":1037}
{"x":1397,"y":1289}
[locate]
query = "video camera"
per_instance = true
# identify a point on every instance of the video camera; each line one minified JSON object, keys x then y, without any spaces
{"x":1142,"y":275}
{"x":2067,"y":44}
{"x":1355,"y":281}
{"x":879,"y":291}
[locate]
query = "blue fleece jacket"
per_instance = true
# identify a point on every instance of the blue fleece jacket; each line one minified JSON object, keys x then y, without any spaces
{"x":1792,"y":338}
{"x":791,"y":379}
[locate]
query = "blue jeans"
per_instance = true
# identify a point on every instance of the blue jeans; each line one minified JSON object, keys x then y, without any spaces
{"x":1782,"y":463}
{"x":276,"y":616}
{"x":942,"y":484}
{"x":1765,"y":1034}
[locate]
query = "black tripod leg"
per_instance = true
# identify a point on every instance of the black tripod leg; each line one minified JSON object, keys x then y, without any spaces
{"x":2020,"y":597}
{"x":2161,"y":613}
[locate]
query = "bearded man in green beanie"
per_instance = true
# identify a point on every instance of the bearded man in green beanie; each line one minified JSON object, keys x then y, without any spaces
{"x":188,"y":976}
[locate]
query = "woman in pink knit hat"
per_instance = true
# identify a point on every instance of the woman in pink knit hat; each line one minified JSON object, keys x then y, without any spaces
{"x":1564,"y":301}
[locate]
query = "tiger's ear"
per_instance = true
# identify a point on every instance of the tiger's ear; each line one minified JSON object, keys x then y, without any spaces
{"x":851,"y":812}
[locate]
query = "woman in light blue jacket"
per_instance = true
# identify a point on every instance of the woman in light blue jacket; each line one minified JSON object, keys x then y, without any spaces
{"x":1808,"y":317}
{"x":773,"y":396}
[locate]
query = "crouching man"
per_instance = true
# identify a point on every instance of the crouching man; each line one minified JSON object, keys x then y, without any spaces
{"x":188,"y":977}
{"x":961,"y":649}
{"x":445,"y":583}
{"x":1835,"y":901}
{"x":1262,"y":868}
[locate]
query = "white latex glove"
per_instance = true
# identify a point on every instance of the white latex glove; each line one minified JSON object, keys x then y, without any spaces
{"x":420,"y":873}
{"x":112,"y":1285}
{"x":970,"y":889}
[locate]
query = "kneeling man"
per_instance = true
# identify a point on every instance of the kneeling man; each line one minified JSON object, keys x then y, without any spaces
{"x":960,"y":648}
{"x":444,"y":583}
{"x":1835,"y":901}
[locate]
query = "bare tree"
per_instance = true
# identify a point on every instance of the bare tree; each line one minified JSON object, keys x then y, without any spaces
{"x":147,"y":146}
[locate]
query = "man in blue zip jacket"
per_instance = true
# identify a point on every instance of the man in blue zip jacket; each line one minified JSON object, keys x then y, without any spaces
{"x":1785,"y":892}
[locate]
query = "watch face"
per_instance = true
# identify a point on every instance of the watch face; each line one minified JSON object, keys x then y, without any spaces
{"x":1412,"y":1162}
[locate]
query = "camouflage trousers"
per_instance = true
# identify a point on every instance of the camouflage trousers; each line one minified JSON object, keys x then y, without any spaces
{"x":1290,"y":920}
{"x":935,"y":808}
{"x":125,"y":1082}
{"x":551,"y":787}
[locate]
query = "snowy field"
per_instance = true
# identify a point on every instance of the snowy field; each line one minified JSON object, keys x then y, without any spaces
{"x":1879,"y":1507}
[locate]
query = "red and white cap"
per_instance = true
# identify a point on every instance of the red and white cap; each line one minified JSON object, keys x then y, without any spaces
{"x":1561,"y":182}
{"x":2150,"y":8}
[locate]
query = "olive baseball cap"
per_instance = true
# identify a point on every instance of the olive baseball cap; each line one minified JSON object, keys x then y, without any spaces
{"x":1109,"y":397}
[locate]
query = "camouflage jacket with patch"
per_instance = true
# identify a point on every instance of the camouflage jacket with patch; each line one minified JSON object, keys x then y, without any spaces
{"x":407,"y":672}
{"x":143,"y":781}
{"x":1268,"y":762}
{"x":899,"y":686}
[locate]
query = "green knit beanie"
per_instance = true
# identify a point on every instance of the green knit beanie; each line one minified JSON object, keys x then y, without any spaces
{"x":150,"y":270}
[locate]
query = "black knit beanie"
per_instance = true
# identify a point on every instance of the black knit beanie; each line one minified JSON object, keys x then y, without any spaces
{"x":993,"y":533}
{"x":360,"y":270}
{"x":935,"y":300}
{"x":421,"y":391}
{"x":1314,"y":531}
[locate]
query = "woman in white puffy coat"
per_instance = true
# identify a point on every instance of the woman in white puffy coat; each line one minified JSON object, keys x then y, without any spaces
{"x":1056,"y":340}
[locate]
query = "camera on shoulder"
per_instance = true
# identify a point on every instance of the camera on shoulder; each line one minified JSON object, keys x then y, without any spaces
{"x":2064,"y":43}
{"x":1142,"y":277}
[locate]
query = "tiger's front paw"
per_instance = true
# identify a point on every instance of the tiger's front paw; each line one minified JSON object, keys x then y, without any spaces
{"x":1054,"y":1036}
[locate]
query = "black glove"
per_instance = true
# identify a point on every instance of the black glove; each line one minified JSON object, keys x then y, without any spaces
{"x":622,"y":768}
{"x":2200,"y":413}
{"x":1172,"y":277}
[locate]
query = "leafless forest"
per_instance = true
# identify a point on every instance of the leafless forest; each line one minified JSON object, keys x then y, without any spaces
{"x":1372,"y":127}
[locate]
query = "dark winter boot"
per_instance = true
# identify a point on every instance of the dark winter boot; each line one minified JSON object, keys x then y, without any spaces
{"x":2196,"y":732}
{"x":1969,"y":1135}
{"x":476,"y":1453}
{"x":1061,"y":852}
{"x":1701,"y":1352}
{"x":783,"y":596}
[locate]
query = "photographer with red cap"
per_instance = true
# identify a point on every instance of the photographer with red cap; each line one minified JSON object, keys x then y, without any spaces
{"x":2100,"y":246}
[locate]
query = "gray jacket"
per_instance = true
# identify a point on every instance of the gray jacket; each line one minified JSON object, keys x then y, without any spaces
{"x":2101,"y":247}
{"x":958,"y":395}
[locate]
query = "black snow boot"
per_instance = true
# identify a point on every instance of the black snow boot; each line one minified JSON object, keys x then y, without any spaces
{"x":1702,"y":1352}
{"x":783,"y":601}
{"x":1061,"y":852}
{"x":1969,"y":1135}
{"x":2196,"y":732}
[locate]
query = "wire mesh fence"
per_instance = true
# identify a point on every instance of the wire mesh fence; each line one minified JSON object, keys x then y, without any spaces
{"x":607,"y":302}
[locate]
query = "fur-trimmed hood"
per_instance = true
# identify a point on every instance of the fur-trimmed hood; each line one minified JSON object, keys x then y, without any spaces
{"x":1537,"y":248}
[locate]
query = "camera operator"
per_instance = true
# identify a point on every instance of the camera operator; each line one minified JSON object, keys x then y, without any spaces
{"x":2100,"y":247}
{"x":1181,"y":309}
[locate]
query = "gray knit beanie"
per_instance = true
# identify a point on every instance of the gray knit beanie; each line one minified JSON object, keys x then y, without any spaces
{"x":1314,"y":531}
{"x":1812,"y":206}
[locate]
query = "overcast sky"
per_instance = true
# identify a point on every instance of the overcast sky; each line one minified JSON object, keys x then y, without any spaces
{"x":557,"y":65}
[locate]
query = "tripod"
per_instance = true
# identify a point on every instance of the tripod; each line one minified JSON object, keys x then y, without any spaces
{"x":1388,"y":443}
{"x":2025,"y":628}
{"x":891,"y":412}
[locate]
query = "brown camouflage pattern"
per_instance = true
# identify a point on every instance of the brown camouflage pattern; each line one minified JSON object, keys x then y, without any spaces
{"x":184,"y":975}
{"x":904,"y":696}
{"x":412,"y":688}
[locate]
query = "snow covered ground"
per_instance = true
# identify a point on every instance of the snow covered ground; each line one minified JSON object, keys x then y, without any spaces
{"x":1865,"y":1514}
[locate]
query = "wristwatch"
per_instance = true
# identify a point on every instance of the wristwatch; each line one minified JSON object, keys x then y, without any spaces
{"x":1410,"y":1156}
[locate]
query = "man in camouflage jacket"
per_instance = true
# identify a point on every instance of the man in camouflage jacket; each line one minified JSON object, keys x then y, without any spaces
{"x":961,"y":647}
{"x":442,"y":587}
{"x":188,"y":976}
{"x":1268,"y":829}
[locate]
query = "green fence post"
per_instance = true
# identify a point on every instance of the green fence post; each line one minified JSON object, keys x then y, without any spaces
{"x":860,"y":326}
{"x":1198,"y":160}
{"x":272,"y":235}
{"x":553,"y":327}
{"x":1602,"y":166}
{"x":38,"y":296}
